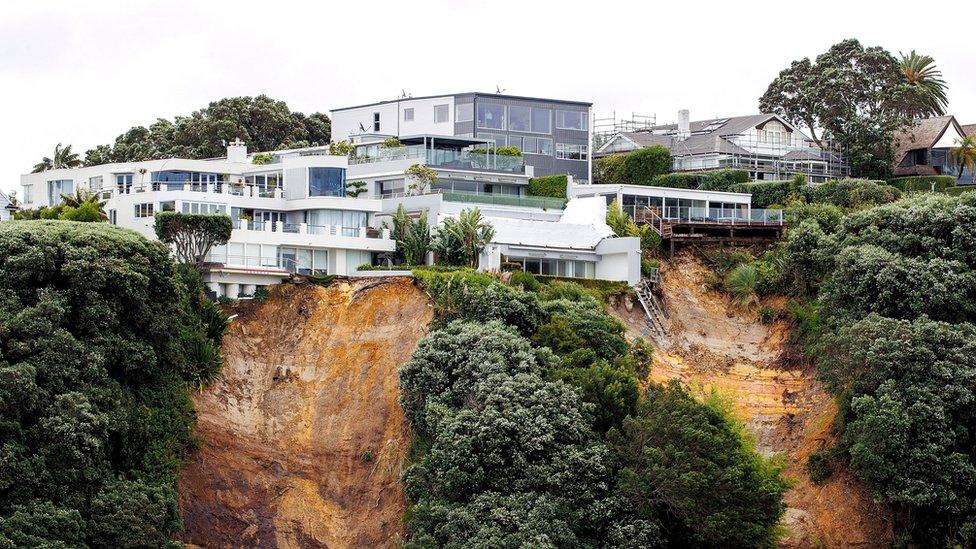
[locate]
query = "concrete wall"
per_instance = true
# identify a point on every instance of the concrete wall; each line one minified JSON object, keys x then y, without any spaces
{"x":346,"y":122}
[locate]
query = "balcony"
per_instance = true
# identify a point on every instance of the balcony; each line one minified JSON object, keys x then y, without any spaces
{"x":219,"y":187}
{"x":505,"y":200}
{"x":448,"y":159}
{"x":279,"y":227}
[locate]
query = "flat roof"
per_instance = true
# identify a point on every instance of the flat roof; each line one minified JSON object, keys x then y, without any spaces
{"x":482,"y":94}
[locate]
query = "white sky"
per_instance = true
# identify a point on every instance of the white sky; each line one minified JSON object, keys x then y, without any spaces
{"x":84,"y":72}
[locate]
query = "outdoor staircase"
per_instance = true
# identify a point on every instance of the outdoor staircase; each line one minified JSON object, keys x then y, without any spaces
{"x":649,"y":300}
{"x":652,"y":216}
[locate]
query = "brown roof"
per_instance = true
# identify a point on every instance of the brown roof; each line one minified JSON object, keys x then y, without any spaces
{"x":969,"y":129}
{"x":922,"y":135}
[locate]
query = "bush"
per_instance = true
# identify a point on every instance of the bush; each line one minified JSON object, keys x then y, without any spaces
{"x":741,"y":283}
{"x":715,"y":180}
{"x":822,"y":463}
{"x":553,"y":186}
{"x":193,"y":235}
{"x":261,"y":295}
{"x":765,"y":193}
{"x":923,"y":183}
{"x":643,"y":165}
{"x":852,"y":193}
{"x":610,"y":169}
{"x":524,"y":281}
{"x":468,"y":294}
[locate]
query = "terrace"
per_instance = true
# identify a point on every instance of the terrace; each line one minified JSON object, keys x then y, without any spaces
{"x":445,"y":152}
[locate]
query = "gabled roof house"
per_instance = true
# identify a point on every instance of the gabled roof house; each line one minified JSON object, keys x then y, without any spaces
{"x":923,"y":148}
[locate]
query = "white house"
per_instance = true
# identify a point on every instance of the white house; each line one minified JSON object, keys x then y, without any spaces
{"x":7,"y":207}
{"x":766,"y":145}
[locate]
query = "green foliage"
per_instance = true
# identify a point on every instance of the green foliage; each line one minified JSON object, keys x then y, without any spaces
{"x":193,"y":235}
{"x":355,"y":188}
{"x":692,"y":465}
{"x":610,"y":169}
{"x":412,"y":236}
{"x":643,"y":165}
{"x":261,"y":159}
{"x":741,"y":284}
{"x":600,"y":333}
{"x":94,"y":385}
{"x":923,"y":183}
{"x":553,"y":186}
{"x":623,"y":225}
{"x":612,"y":391}
{"x":87,"y":212}
{"x":261,"y":295}
{"x":554,"y":287}
{"x":765,"y":193}
{"x":524,"y":281}
{"x":341,"y":148}
{"x":420,"y":177}
{"x":508,"y":151}
{"x":852,"y":193}
{"x":261,"y":122}
{"x":713,"y":180}
{"x":62,"y":158}
{"x":461,"y":240}
{"x":822,"y":463}
{"x":391,"y":143}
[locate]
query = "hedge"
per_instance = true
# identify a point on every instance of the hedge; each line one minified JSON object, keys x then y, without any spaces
{"x":958,"y":190}
{"x":851,"y":193}
{"x":765,"y":193}
{"x":553,"y":186}
{"x":923,"y":183}
{"x":714,"y":180}
{"x":643,"y":165}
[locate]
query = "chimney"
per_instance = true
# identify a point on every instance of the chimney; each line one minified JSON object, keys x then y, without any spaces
{"x":237,"y":151}
{"x":684,"y":124}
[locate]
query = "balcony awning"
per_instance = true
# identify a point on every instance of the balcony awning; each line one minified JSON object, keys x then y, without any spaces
{"x":446,"y":140}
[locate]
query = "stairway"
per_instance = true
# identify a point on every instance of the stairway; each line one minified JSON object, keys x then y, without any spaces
{"x":652,"y":308}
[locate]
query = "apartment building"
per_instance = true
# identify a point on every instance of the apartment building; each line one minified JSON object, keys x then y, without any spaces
{"x":554,"y":135}
{"x":299,"y":213}
{"x":766,"y":145}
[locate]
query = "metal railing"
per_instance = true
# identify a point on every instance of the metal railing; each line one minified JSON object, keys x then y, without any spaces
{"x":446,"y":158}
{"x":506,"y":200}
{"x":219,"y":187}
{"x":722,"y":215}
{"x":302,"y":228}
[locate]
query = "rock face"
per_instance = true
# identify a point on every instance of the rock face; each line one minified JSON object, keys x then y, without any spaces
{"x":710,"y":344}
{"x":303,"y":440}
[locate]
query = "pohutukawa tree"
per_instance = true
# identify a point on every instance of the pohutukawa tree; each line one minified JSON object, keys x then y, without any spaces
{"x":193,"y":235}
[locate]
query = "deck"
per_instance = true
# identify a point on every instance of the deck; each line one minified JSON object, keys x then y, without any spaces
{"x":713,"y":225}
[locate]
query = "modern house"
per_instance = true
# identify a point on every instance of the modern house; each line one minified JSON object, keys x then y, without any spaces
{"x":766,"y":145}
{"x":923,"y":148}
{"x":554,"y":135}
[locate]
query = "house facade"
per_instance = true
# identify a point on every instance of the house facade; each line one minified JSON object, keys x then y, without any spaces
{"x":924,"y":148}
{"x":766,"y":145}
{"x":554,"y":135}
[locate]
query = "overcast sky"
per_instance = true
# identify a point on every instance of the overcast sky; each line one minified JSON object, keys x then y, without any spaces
{"x":84,"y":72}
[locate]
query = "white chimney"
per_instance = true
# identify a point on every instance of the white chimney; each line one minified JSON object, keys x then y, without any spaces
{"x":237,"y":151}
{"x":684,"y":124}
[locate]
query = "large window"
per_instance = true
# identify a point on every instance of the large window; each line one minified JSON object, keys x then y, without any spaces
{"x":349,"y":221}
{"x":541,"y":121}
{"x":203,"y":208}
{"x":441,"y":113}
{"x":491,"y":116}
{"x":28,"y":194}
{"x":498,"y":138}
{"x":463,"y":112}
{"x":570,"y":151}
{"x":326,"y":182}
{"x":303,"y":260}
{"x":532,"y":120}
{"x":537,"y":145}
{"x":571,"y":120}
{"x":123,"y":182}
{"x":557,"y":267}
{"x":58,"y":187}
{"x":95,"y":183}
{"x":376,"y":121}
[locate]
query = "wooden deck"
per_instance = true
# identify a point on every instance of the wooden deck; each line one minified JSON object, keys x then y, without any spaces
{"x":711,"y":230}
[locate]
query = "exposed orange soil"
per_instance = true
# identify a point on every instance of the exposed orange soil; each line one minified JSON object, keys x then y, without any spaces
{"x":303,"y":437}
{"x":711,"y":344}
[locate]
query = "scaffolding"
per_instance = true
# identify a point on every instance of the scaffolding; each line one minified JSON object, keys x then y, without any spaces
{"x":605,"y":128}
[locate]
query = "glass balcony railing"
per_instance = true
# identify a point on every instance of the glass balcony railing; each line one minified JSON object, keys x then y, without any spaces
{"x":471,"y":160}
{"x":723,"y":215}
{"x":505,"y":200}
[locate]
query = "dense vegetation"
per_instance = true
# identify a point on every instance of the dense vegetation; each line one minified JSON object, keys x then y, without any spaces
{"x":533,"y":426}
{"x":885,"y":303}
{"x":553,"y":186}
{"x":102,"y":337}
{"x":263,"y":123}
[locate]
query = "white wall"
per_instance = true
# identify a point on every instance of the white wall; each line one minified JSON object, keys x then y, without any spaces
{"x":345,"y":123}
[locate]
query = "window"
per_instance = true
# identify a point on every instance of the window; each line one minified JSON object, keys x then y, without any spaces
{"x":58,"y":187}
{"x":326,"y":182}
{"x":123,"y":182}
{"x":491,"y":116}
{"x":113,"y":217}
{"x":169,"y":206}
{"x":463,"y":112}
{"x":408,"y":115}
{"x":570,"y":151}
{"x":541,"y":121}
{"x":537,"y":145}
{"x":144,"y":210}
{"x":441,"y":113}
{"x":376,"y":121}
{"x":571,"y":120}
{"x":515,"y":141}
{"x":519,"y":119}
{"x":95,"y":183}
{"x":559,"y":267}
{"x":201,"y":208}
{"x":28,"y":194}
{"x":498,"y":138}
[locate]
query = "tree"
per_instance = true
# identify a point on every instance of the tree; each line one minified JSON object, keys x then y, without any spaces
{"x":692,"y":467}
{"x":640,"y":167}
{"x":925,"y":84}
{"x":421,"y":177}
{"x":412,"y":236}
{"x":261,"y":122}
{"x":858,"y":96}
{"x":610,"y":169}
{"x":83,"y":205}
{"x":964,"y":154}
{"x":461,"y":240}
{"x":63,"y":158}
{"x":193,"y":235}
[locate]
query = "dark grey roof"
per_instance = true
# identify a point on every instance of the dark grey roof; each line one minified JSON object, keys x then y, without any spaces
{"x":479,"y":94}
{"x":707,"y":136}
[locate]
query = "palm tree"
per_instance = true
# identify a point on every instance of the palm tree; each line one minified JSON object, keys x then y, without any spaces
{"x":461,"y":240}
{"x":964,"y":154}
{"x":84,"y":198}
{"x":63,"y":158}
{"x":925,"y":81}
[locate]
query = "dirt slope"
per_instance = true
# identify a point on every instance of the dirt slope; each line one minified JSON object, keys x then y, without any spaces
{"x":711,"y":344}
{"x":303,"y":438}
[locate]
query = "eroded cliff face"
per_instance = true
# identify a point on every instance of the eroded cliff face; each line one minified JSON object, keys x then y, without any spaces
{"x":708,"y":344}
{"x":303,"y":438}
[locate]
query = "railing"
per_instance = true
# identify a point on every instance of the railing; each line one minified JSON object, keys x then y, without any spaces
{"x":304,"y":228}
{"x":505,"y":200}
{"x":219,"y":187}
{"x":721,"y":215}
{"x":446,"y":158}
{"x":387,"y":154}
{"x":272,"y":262}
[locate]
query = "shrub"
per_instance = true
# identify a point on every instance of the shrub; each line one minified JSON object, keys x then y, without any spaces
{"x":923,"y":183}
{"x":767,"y":314}
{"x":612,"y":391}
{"x":822,"y":463}
{"x":524,"y":281}
{"x":602,"y":334}
{"x":610,"y":169}
{"x":468,"y":294}
{"x":715,"y":180}
{"x":852,"y":193}
{"x":642,"y":165}
{"x":261,"y":295}
{"x":261,"y":158}
{"x":193,"y":235}
{"x":765,"y":193}
{"x":508,"y":151}
{"x":741,"y":283}
{"x":553,"y":186}
{"x":391,"y":143}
